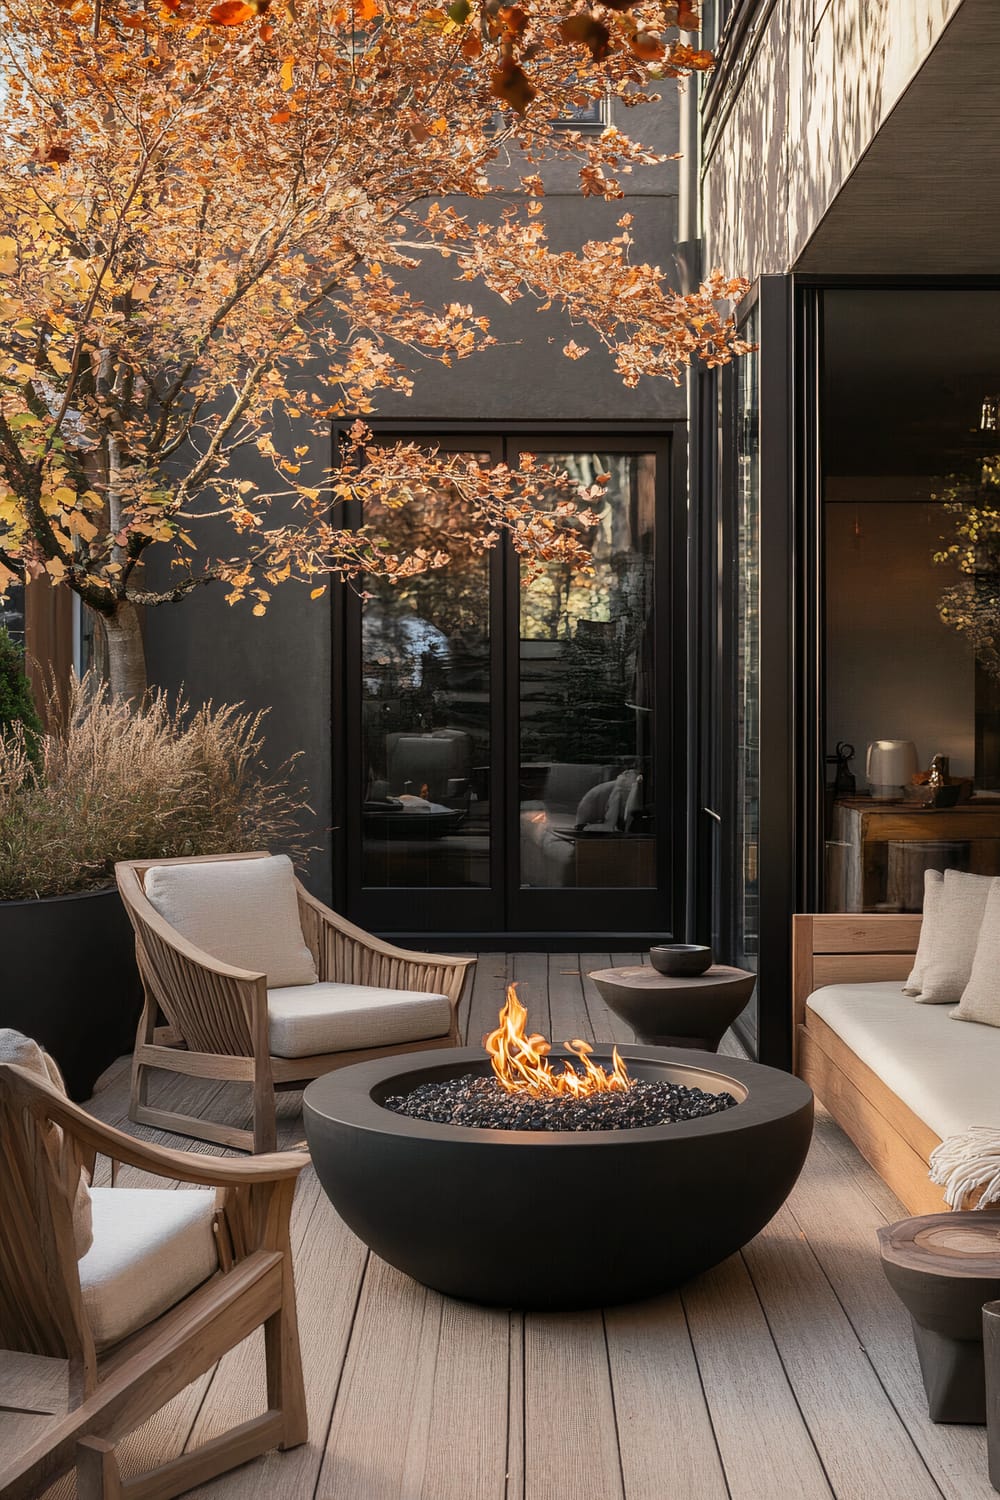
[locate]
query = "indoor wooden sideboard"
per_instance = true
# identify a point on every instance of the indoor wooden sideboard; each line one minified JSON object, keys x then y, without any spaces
{"x":858,"y":846}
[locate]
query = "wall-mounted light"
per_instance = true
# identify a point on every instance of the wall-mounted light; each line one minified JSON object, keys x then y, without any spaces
{"x":989,"y":414}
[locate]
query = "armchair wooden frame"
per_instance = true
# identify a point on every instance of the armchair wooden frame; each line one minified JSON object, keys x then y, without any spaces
{"x":217,"y":1023}
{"x":110,"y":1394}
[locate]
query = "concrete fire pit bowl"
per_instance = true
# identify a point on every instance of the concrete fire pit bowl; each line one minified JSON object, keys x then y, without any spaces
{"x":557,"y":1219}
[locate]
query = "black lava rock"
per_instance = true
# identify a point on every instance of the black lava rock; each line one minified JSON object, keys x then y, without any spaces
{"x":479,"y":1102}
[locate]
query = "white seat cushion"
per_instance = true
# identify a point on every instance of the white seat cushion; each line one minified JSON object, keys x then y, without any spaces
{"x":331,"y":1017}
{"x":152,"y":1246}
{"x":948,"y":1075}
{"x":242,"y":911}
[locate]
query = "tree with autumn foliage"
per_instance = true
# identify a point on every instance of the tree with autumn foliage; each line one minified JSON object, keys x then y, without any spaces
{"x":205,"y":212}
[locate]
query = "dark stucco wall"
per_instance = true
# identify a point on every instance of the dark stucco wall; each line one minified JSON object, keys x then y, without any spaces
{"x":283,"y":661}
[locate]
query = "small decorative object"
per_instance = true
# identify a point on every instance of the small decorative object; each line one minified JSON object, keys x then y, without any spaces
{"x":935,"y":787}
{"x":889,"y":766}
{"x":844,"y":783}
{"x":680,"y":958}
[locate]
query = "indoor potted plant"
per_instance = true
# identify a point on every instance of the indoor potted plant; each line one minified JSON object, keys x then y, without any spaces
{"x":109,"y":782}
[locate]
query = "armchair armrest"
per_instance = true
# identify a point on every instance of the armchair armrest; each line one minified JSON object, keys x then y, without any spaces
{"x":162,"y":1161}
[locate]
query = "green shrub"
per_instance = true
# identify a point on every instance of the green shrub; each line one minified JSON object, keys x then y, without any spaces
{"x":118,"y":783}
{"x":17,"y":707}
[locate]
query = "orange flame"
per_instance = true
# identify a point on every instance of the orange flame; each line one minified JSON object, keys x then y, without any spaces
{"x":519,"y":1061}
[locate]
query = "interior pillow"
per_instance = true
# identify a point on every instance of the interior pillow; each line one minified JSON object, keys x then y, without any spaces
{"x":242,"y":911}
{"x":933,"y":893}
{"x":981,"y":997}
{"x":944,"y":967}
{"x":27,"y":1054}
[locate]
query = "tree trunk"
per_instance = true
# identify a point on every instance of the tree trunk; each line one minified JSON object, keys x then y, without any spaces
{"x":126,"y":652}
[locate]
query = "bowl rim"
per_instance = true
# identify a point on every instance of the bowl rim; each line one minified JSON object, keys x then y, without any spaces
{"x":345,"y":1096}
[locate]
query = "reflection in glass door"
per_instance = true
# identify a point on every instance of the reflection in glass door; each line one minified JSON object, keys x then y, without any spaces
{"x":426,"y":707}
{"x":505,"y":745}
{"x":586,"y":692}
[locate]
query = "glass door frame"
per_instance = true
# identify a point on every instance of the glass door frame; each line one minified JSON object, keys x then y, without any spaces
{"x":782,"y":598}
{"x":504,"y":913}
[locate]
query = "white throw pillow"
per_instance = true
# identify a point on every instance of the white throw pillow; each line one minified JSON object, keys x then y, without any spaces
{"x":981,"y":996}
{"x":242,"y":911}
{"x":25,"y":1053}
{"x":933,"y":893}
{"x":953,"y":914}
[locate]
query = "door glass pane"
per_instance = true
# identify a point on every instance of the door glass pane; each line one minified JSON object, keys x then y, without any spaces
{"x":587,"y":794}
{"x":425,"y":706}
{"x":747,"y":619}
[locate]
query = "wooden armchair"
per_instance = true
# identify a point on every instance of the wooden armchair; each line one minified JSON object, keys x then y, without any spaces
{"x":49,"y":1305}
{"x":218,"y":1015}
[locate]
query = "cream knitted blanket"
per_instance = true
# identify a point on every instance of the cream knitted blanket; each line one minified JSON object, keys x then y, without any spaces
{"x":968,"y":1161}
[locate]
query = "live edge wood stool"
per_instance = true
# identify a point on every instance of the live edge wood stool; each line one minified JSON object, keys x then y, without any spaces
{"x":943,"y":1268}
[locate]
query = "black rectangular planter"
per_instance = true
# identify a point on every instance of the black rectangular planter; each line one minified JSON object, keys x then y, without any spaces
{"x":70,"y":980}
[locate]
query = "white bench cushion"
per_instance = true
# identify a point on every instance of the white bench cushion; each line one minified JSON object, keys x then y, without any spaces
{"x":152,"y":1246}
{"x":948,"y":1075}
{"x":242,"y":911}
{"x":329,"y":1017}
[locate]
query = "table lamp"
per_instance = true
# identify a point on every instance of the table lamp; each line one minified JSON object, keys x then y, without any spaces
{"x":890,"y":766}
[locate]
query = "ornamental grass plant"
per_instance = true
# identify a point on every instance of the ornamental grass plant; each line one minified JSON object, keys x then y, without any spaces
{"x":114,"y":782}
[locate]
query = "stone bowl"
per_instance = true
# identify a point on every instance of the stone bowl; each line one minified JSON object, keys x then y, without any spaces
{"x":557,"y":1219}
{"x":680,"y":959}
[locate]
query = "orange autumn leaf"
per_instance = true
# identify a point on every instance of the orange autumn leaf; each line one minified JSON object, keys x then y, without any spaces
{"x":287,"y":74}
{"x":513,"y":20}
{"x":586,"y":29}
{"x":687,"y":17}
{"x":512,"y":86}
{"x":367,"y":10}
{"x":647,"y":46}
{"x":231,"y":13}
{"x":472,"y":46}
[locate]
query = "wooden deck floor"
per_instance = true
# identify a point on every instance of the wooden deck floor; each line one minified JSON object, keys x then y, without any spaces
{"x":788,"y":1371}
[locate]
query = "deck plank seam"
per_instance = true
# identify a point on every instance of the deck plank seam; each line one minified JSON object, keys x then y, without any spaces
{"x":323,"y":1448}
{"x":900,"y":1416}
{"x":788,"y":1379}
{"x":614,"y":1407}
{"x":704,"y":1394}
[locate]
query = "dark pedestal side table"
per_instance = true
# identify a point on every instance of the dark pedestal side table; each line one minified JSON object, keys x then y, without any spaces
{"x":991,"y":1350}
{"x":943,"y":1267}
{"x":666,"y":1010}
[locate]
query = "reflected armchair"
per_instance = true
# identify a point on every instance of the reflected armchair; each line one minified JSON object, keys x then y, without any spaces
{"x":261,"y":983}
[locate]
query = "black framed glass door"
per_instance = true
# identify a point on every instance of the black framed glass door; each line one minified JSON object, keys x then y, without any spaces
{"x":745,"y":791}
{"x":506,"y":748}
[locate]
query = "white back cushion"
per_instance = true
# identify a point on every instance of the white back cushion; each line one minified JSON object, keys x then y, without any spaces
{"x":948,"y":937}
{"x":242,"y":911}
{"x":27,"y":1054}
{"x":981,"y":996}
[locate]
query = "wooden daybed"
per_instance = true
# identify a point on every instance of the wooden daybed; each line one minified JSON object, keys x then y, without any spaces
{"x":857,"y":950}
